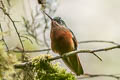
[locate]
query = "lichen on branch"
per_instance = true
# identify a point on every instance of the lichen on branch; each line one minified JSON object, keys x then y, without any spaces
{"x":7,"y":61}
{"x":45,"y":70}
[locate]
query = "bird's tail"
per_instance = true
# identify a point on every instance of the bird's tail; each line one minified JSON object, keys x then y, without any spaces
{"x":74,"y":64}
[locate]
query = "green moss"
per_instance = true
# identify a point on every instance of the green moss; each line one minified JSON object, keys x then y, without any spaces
{"x":6,"y":64}
{"x":45,"y":70}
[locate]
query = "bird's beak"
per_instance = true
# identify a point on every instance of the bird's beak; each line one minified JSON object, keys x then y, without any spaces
{"x":54,"y":23}
{"x":48,"y":16}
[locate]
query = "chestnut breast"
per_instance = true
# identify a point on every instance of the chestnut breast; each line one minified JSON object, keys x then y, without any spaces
{"x":61,"y":40}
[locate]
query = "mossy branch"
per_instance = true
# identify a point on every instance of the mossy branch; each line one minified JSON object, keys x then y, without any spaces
{"x":43,"y":69}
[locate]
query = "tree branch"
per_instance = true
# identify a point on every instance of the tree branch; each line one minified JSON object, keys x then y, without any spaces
{"x":84,"y":76}
{"x":98,"y":41}
{"x":76,"y":52}
{"x":85,"y":51}
{"x":32,"y":51}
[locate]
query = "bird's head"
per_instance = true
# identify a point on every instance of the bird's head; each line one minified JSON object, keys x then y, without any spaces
{"x":59,"y":20}
{"x":56,"y":19}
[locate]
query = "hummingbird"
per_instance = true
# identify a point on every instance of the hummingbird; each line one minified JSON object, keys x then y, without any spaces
{"x":63,"y":41}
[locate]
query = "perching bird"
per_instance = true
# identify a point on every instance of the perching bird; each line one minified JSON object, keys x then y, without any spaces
{"x":63,"y":41}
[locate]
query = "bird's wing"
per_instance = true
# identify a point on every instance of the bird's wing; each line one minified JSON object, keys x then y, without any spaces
{"x":74,"y":40}
{"x":73,"y":37}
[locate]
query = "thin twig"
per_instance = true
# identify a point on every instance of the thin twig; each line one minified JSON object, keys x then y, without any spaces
{"x":84,"y":76}
{"x":32,"y":51}
{"x":8,"y":1}
{"x":3,"y":38}
{"x":103,"y":41}
{"x":97,"y":56}
{"x":44,"y":31}
{"x":27,"y":38}
{"x":2,"y":4}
